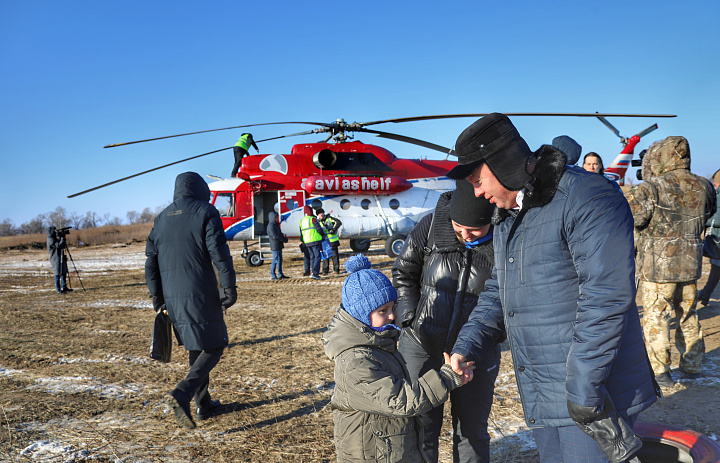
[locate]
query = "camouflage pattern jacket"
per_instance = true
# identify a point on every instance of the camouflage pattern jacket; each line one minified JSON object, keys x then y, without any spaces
{"x":670,"y":209}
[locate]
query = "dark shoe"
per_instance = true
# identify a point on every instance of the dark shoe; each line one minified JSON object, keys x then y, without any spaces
{"x":66,"y":290}
{"x":306,"y":274}
{"x":208,"y":411}
{"x":181,"y":409}
{"x":283,"y":277}
{"x":315,"y":277}
{"x":337,"y":272}
{"x":664,"y":379}
{"x":688,"y":375}
{"x":704,"y":300}
{"x":274,"y":278}
{"x":325,"y":273}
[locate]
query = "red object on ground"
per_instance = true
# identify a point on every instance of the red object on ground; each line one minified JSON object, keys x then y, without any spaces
{"x":701,"y":448}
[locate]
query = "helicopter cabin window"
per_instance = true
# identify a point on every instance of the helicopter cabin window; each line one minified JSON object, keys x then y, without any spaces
{"x":224,"y":204}
{"x":365,"y":204}
{"x":394,"y":204}
{"x":316,"y":204}
{"x":345,"y":204}
{"x":292,"y":204}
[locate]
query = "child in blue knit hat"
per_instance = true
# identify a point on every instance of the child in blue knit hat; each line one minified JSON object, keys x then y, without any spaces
{"x":375,"y":406}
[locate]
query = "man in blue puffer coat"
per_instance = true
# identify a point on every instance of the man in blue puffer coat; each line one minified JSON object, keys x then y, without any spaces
{"x":186,"y":240}
{"x":562,"y":291}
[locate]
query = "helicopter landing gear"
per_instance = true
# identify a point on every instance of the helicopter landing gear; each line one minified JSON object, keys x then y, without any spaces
{"x":360,"y":245}
{"x":394,"y":245}
{"x":254,"y":259}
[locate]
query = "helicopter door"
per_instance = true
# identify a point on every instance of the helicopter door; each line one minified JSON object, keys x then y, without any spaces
{"x":244,"y":213}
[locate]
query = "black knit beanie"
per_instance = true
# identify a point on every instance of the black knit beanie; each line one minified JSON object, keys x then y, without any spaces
{"x":467,"y":209}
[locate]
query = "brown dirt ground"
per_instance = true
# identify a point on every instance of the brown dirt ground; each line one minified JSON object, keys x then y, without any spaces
{"x":76,"y":383}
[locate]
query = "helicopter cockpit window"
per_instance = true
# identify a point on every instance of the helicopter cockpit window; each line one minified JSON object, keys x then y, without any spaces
{"x":365,"y":204}
{"x":224,"y":204}
{"x":394,"y":204}
{"x":345,"y":204}
{"x":316,"y":203}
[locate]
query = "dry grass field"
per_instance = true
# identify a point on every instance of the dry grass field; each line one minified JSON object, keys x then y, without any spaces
{"x":76,"y":382}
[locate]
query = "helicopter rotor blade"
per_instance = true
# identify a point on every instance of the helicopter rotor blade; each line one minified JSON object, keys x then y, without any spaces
{"x":414,"y":141}
{"x":145,"y":172}
{"x":647,"y":131}
{"x":610,"y":126}
{"x":307,"y":132}
{"x":211,"y":130}
{"x":449,"y":116}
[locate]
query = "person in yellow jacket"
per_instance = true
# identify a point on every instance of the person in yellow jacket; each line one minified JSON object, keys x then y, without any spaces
{"x":241,"y":149}
{"x":312,"y":234}
{"x":331,"y":225}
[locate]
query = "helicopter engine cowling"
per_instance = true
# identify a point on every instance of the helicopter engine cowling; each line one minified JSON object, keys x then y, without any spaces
{"x":324,"y":159}
{"x":341,"y":185}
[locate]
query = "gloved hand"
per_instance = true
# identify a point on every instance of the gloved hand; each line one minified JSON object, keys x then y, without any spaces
{"x":158,"y":303}
{"x":228,"y":296}
{"x":607,"y":428}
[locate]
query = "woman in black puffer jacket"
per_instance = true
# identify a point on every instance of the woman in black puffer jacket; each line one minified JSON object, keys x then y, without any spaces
{"x":438,"y":276}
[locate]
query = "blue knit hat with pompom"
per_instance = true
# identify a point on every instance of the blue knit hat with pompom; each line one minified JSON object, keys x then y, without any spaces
{"x":365,"y":290}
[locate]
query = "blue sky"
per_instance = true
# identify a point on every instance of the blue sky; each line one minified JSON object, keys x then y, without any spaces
{"x":78,"y":75}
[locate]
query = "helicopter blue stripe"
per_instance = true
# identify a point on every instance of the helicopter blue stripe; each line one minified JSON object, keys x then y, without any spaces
{"x":238,"y":227}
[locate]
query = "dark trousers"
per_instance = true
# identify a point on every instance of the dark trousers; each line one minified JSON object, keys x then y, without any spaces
{"x":470,"y":404}
{"x":197,"y":381}
{"x":335,"y":259}
{"x":239,"y":153}
{"x":712,"y":281}
{"x":567,"y":444}
{"x":306,"y":259}
{"x":314,"y":254}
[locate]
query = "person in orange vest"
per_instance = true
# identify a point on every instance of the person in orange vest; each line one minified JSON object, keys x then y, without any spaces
{"x":241,"y":149}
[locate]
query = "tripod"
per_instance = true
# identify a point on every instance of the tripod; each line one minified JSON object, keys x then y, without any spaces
{"x":77,"y":274}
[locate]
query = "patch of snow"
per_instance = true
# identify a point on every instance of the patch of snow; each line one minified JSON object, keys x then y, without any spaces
{"x":9,"y":371}
{"x":108,"y":359}
{"x":49,"y":450}
{"x":120,"y":303}
{"x":79,"y":384}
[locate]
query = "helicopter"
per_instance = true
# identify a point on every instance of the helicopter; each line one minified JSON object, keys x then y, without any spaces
{"x":376,"y":195}
{"x":617,"y":169}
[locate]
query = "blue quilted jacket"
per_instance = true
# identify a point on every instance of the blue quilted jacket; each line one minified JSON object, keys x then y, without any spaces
{"x":563,"y":292}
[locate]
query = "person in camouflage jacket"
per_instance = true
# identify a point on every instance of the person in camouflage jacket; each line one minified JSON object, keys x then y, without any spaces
{"x":670,"y":209}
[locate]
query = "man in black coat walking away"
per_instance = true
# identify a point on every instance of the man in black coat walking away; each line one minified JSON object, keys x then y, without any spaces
{"x":186,"y":240}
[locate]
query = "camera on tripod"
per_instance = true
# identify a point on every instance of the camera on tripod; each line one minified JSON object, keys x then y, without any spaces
{"x":638,"y":163}
{"x":61,"y":232}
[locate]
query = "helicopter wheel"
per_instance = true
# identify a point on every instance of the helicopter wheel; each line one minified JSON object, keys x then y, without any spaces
{"x":360,"y":245}
{"x":254,"y":259}
{"x":394,"y":245}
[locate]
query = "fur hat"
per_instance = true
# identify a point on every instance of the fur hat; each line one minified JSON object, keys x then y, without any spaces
{"x":467,"y":209}
{"x":493,"y":139}
{"x":319,"y":211}
{"x":365,"y":289}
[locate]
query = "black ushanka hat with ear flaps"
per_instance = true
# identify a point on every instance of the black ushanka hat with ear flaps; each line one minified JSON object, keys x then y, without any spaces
{"x":494,"y":140}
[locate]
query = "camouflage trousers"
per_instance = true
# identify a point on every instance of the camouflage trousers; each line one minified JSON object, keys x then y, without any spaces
{"x":661,"y":303}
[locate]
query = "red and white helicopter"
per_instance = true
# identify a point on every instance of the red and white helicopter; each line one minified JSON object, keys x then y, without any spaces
{"x":617,"y":169}
{"x":375,"y":194}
